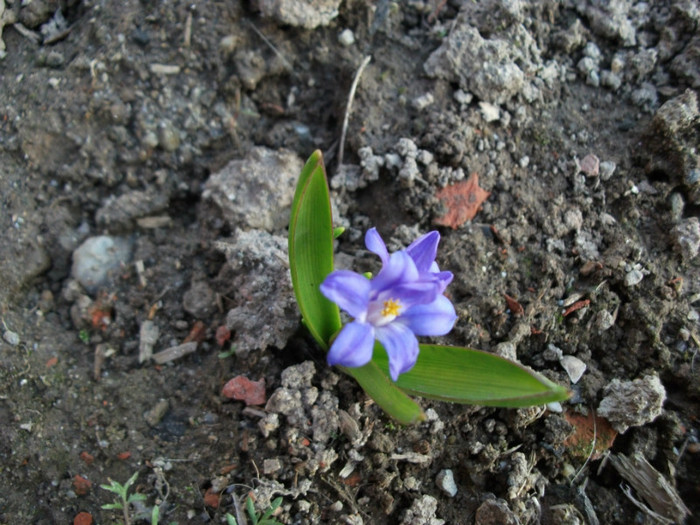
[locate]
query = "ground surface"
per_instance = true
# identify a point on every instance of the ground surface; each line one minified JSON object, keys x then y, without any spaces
{"x":120,"y":121}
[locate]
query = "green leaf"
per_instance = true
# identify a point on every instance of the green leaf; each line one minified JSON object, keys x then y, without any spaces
{"x":384,"y":391}
{"x":463,"y":375}
{"x":311,"y":250}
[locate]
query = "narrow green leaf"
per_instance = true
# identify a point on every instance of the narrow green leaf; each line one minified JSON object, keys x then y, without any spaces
{"x":463,"y":375}
{"x":311,"y":250}
{"x":384,"y":391}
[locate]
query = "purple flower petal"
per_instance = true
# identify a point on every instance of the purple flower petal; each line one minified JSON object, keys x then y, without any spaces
{"x":376,"y":245}
{"x":401,"y":346}
{"x":399,"y":268}
{"x":424,"y":250}
{"x":353,"y":346}
{"x":349,"y":290}
{"x":412,"y":293}
{"x":436,"y":318}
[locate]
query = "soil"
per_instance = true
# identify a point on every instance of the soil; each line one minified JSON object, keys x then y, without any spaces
{"x":121,"y":119}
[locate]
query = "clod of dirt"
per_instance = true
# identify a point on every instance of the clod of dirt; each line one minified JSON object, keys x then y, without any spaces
{"x":479,"y":65}
{"x":265,"y":313}
{"x":422,"y":512}
{"x":256,"y":191}
{"x":495,"y":512}
{"x":301,"y":13}
{"x":119,"y":213}
{"x":632,"y":403}
{"x":97,"y":257}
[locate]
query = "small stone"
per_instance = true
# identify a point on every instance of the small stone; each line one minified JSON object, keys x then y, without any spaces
{"x":632,"y":403}
{"x":199,"y":300}
{"x":590,"y":165}
{"x":148,"y":336}
{"x":607,"y":169}
{"x":574,"y":367}
{"x":524,"y":161}
{"x":11,"y":338}
{"x":446,"y":481}
{"x":423,"y":101}
{"x":346,"y":38}
{"x":489,"y":112}
{"x":156,"y":413}
{"x":168,"y":137}
{"x":686,"y":238}
{"x":97,"y":257}
{"x":633,"y":278}
{"x":271,"y":466}
{"x":174,"y":352}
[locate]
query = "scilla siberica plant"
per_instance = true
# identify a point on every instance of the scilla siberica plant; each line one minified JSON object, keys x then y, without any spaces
{"x":378,"y":347}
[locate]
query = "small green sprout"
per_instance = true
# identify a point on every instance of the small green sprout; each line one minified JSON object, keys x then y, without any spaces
{"x":227,"y":353}
{"x":125,"y":499}
{"x":256,"y":518}
{"x":84,"y":336}
{"x":337,"y":232}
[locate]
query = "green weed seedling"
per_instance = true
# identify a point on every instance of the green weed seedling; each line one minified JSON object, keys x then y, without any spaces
{"x":256,"y":518}
{"x":124,"y":499}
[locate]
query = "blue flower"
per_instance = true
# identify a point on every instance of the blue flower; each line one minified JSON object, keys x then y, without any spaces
{"x":404,"y":300}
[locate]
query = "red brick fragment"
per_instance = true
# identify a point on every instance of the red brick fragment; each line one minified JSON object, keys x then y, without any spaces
{"x":83,"y":518}
{"x":81,"y":485}
{"x":243,"y":389}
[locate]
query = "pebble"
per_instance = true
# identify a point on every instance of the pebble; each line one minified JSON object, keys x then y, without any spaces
{"x":346,"y":38}
{"x":422,"y":512}
{"x":11,"y":338}
{"x":446,"y":481}
{"x":489,"y":112}
{"x":633,"y":278}
{"x":199,"y":300}
{"x":574,"y":367}
{"x":148,"y":336}
{"x":607,"y":169}
{"x":97,"y":257}
{"x":168,"y":136}
{"x":301,"y":13}
{"x":423,"y":101}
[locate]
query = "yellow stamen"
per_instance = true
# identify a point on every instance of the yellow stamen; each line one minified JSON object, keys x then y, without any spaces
{"x":391,"y":308}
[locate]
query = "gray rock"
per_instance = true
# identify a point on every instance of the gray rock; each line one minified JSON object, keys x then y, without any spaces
{"x":301,"y":13}
{"x":266,"y":313}
{"x":686,"y":64}
{"x":199,"y":300}
{"x":633,"y":277}
{"x":686,"y":238}
{"x":11,"y":338}
{"x":422,"y":512}
{"x":97,"y":258}
{"x":148,"y":336}
{"x":632,"y":403}
{"x":256,"y":191}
